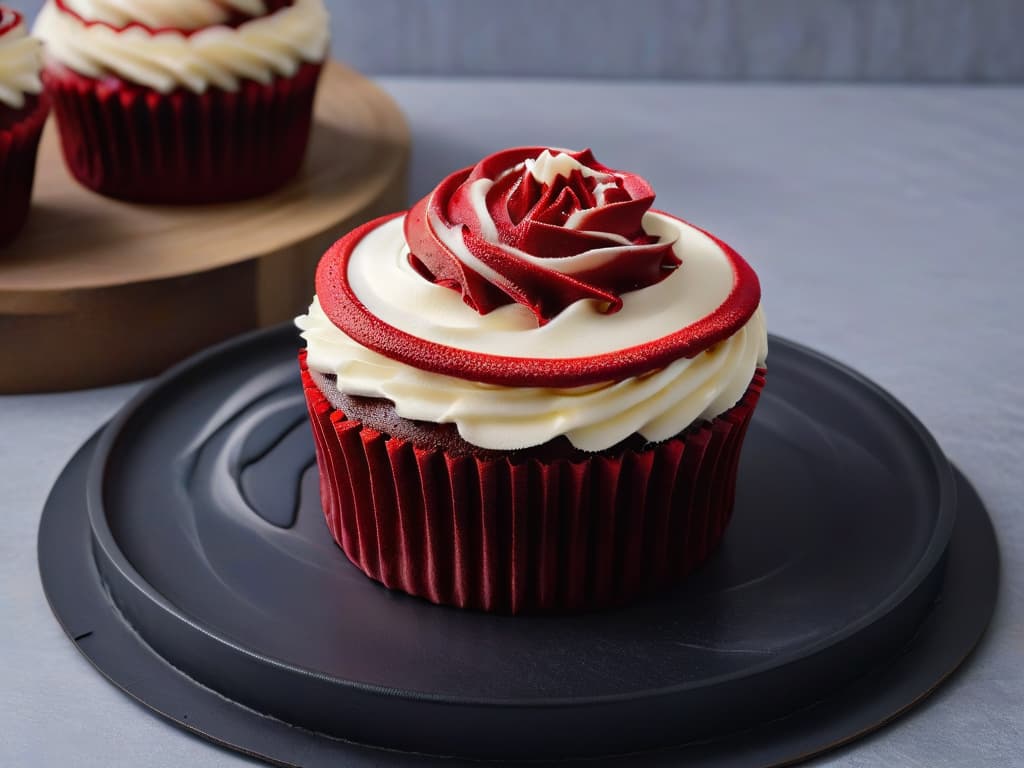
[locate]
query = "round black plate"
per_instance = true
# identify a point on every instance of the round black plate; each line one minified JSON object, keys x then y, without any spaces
{"x":204,"y":526}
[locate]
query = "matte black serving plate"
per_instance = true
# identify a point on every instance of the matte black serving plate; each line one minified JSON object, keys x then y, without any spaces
{"x":185,"y":552}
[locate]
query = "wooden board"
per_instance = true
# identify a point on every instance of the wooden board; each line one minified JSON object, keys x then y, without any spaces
{"x":96,"y":291}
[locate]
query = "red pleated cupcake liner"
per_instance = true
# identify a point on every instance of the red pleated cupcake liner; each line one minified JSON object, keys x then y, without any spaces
{"x":19,"y":144}
{"x":130,"y":142}
{"x":517,"y":535}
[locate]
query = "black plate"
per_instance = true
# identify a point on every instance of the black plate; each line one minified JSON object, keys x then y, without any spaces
{"x":207,"y":532}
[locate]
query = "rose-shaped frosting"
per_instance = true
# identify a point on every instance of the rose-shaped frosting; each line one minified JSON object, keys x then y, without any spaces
{"x":20,"y":61}
{"x":543,"y":228}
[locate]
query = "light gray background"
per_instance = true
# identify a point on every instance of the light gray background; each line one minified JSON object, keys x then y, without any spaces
{"x":915,"y":40}
{"x":886,"y":225}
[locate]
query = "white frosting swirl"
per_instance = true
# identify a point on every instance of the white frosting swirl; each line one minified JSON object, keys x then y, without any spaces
{"x":657,"y":405}
{"x":20,"y":62}
{"x":270,"y":46}
{"x":177,"y":14}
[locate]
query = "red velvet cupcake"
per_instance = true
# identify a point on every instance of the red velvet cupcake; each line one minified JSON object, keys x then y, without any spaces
{"x":174,"y":101}
{"x":23,"y":109}
{"x":529,"y":393}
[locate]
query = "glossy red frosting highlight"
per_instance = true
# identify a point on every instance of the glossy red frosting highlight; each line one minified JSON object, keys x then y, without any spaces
{"x":236,"y":19}
{"x":347,"y":312}
{"x":573,"y":214}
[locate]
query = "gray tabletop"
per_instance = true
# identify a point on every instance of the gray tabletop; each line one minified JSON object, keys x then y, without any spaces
{"x":887,"y":225}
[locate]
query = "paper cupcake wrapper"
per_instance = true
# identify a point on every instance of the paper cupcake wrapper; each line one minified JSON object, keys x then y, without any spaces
{"x":19,"y":144}
{"x":521,"y":535}
{"x":129,"y":142}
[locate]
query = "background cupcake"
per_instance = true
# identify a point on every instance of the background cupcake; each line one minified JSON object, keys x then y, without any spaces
{"x":183,"y":101}
{"x":530,"y":392}
{"x":23,"y":109}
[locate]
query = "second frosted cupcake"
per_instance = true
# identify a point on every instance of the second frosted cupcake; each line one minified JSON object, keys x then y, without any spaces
{"x":183,"y":102}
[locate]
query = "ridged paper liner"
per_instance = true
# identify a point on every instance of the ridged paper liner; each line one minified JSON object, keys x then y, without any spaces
{"x":516,"y":535}
{"x":19,"y":143}
{"x":133,"y":143}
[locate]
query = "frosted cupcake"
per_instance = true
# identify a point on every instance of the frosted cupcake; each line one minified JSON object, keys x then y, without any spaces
{"x":529,"y":393}
{"x":183,"y":101}
{"x":23,"y":109}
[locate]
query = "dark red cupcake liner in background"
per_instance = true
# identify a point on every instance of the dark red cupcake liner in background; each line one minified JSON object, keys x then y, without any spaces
{"x":19,"y":143}
{"x":516,"y":535}
{"x":129,"y":142}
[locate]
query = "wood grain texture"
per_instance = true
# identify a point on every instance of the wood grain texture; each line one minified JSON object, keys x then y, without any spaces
{"x":96,"y":291}
{"x":870,"y":40}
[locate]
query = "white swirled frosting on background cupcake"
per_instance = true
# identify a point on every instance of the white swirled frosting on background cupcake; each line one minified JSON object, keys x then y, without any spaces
{"x":169,"y":44}
{"x":20,"y":61}
{"x":159,"y":14}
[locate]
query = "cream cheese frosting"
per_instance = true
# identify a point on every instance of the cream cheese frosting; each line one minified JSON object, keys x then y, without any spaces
{"x":274,"y":45}
{"x":20,"y":61}
{"x":176,"y":14}
{"x":657,"y":405}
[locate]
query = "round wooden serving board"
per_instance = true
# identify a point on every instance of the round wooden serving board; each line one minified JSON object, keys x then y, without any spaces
{"x":96,"y":291}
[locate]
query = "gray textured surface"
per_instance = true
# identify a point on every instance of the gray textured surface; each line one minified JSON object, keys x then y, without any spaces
{"x":886,"y":225}
{"x":932,"y":40}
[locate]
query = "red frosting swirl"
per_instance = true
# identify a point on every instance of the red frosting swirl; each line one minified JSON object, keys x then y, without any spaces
{"x":9,"y":19}
{"x":544,"y":228}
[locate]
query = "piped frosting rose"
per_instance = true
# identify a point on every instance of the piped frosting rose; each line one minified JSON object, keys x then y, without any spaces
{"x":539,"y":227}
{"x":640,"y":301}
